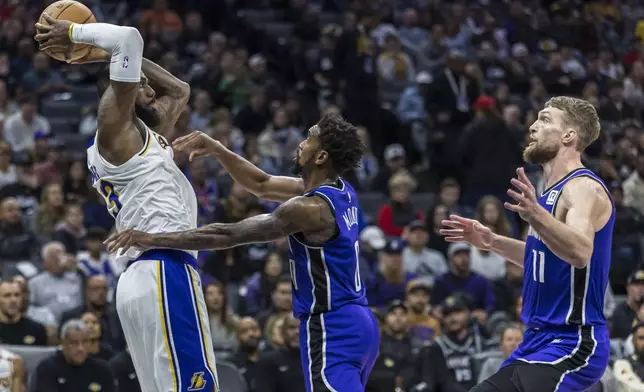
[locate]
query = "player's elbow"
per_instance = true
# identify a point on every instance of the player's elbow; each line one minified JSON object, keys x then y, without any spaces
{"x":581,"y":256}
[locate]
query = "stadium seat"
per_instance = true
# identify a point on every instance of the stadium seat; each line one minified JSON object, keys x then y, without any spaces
{"x":371,"y":202}
{"x":65,"y":109}
{"x":230,"y":379}
{"x":32,"y":355}
{"x":63,"y":125}
{"x":85,"y":94}
{"x":422,"y":201}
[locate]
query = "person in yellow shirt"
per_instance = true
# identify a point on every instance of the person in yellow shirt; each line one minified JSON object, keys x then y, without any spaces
{"x":422,"y":324}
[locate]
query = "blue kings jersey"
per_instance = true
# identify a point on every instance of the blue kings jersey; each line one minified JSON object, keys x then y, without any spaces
{"x":327,"y":277}
{"x":554,"y":292}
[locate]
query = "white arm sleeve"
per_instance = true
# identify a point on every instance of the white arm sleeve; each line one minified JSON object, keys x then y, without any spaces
{"x":125,"y":44}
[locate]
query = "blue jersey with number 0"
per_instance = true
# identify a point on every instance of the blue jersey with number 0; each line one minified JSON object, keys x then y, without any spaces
{"x":326,"y":277}
{"x":554,"y":292}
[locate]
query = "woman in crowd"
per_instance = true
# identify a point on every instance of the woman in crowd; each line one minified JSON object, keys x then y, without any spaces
{"x":394,"y":215}
{"x":260,"y":285}
{"x":223,"y":322}
{"x":52,"y":208}
{"x":96,"y":348}
{"x":489,"y":264}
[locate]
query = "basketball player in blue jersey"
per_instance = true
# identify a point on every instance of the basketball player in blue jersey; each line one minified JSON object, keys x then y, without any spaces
{"x":566,"y":257}
{"x":338,"y":333}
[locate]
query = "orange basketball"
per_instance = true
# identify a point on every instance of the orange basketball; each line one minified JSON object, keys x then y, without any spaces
{"x":72,"y":11}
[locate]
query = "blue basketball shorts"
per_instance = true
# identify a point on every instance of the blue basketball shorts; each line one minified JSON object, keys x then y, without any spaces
{"x":569,"y":359}
{"x":161,"y":307}
{"x":339,"y":348}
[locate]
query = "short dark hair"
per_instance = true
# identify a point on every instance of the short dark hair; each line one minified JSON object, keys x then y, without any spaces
{"x":341,"y":141}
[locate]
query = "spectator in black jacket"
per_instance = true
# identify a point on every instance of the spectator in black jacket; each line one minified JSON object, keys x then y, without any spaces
{"x":70,"y":231}
{"x":17,"y":243}
{"x":71,"y":369}
{"x":396,"y":356}
{"x":282,"y":370}
{"x":247,"y":356}
{"x":15,"y":328}
{"x":123,"y":369}
{"x":430,"y":373}
{"x":96,"y":289}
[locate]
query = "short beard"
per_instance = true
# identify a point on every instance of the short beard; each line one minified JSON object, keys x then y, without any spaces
{"x":148,"y":114}
{"x":539,"y":154}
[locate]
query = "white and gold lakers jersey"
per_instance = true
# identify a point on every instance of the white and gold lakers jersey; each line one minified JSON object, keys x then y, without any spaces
{"x":148,"y":192}
{"x":6,"y":370}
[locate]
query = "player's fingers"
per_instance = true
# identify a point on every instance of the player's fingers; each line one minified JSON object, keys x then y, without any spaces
{"x":524,"y":178}
{"x":517,"y":196}
{"x":520,"y":185}
{"x":452,"y":224}
{"x":183,"y":139}
{"x":42,"y":37}
{"x":49,"y":19}
{"x":462,"y":220}
{"x":451,"y":232}
{"x":513,"y":207}
{"x":454,"y":239}
{"x":42,"y":28}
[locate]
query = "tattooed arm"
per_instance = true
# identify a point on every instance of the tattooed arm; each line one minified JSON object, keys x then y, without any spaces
{"x":310,"y":215}
{"x":172,"y":94}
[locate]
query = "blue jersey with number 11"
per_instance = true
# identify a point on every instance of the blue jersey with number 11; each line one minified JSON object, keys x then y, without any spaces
{"x":326,"y":277}
{"x":554,"y":292}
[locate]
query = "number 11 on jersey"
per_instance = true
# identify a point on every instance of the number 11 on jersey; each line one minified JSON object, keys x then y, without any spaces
{"x":538,"y":263}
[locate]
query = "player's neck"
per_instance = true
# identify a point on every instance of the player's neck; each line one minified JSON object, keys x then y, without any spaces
{"x":317,"y":178}
{"x":559,"y":167}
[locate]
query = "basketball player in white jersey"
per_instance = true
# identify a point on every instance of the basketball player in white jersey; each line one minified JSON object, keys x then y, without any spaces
{"x":12,"y":372}
{"x":159,"y":297}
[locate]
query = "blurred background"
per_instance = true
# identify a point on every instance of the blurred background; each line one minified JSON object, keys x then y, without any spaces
{"x":443,"y":93}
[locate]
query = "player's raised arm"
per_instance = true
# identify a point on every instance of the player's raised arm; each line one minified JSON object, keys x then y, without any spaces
{"x":172,"y":94}
{"x":459,"y":229}
{"x":125,"y":46}
{"x":300,"y":214}
{"x":586,"y":206}
{"x":254,"y":179}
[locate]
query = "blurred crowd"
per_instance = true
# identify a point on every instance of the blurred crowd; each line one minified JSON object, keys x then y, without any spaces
{"x":443,"y":93}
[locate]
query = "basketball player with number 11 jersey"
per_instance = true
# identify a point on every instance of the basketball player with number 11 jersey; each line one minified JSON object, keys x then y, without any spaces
{"x":566,"y":257}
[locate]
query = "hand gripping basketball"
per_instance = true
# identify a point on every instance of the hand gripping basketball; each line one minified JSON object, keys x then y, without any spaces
{"x":56,"y":36}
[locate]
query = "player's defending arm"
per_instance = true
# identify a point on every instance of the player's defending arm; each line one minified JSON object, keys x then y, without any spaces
{"x":300,"y":214}
{"x":172,"y":94}
{"x":254,"y":179}
{"x":461,"y":229}
{"x":125,"y":46}
{"x":586,"y":208}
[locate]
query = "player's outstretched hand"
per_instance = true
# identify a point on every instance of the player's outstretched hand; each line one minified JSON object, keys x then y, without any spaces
{"x":55,"y":36}
{"x":527,"y":205}
{"x":128,"y":239}
{"x":461,"y":229}
{"x":200,"y":144}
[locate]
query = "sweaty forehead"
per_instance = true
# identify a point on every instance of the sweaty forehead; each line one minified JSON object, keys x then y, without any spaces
{"x":552,"y":112}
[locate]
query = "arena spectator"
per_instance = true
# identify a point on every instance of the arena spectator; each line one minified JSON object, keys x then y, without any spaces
{"x":223,"y":322}
{"x":82,"y":372}
{"x":260,"y":285}
{"x":485,"y":263}
{"x":281,"y":304}
{"x":461,"y":338}
{"x":424,"y":326}
{"x":95,"y":302}
{"x":398,"y":212}
{"x":460,"y":278}
{"x":397,"y":352}
{"x":394,"y":65}
{"x":160,"y":18}
{"x":42,"y":80}
{"x":122,"y":368}
{"x":51,"y":210}
{"x":58,"y":287}
{"x":507,"y":290}
{"x":390,"y":279}
{"x":202,"y":114}
{"x":511,"y":337}
{"x":634,"y":187}
{"x":435,"y":216}
{"x":629,"y":371}
{"x":17,"y":242}
{"x":15,"y":328}
{"x":372,"y":241}
{"x":247,"y":356}
{"x":8,"y":171}
{"x":21,"y":127}
{"x":96,"y":261}
{"x":96,"y":348}
{"x":421,"y":261}
{"x":282,"y":370}
{"x":70,"y":231}
{"x":626,"y":313}
{"x":76,"y":186}
{"x":395,"y":160}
